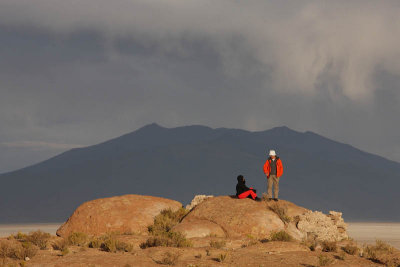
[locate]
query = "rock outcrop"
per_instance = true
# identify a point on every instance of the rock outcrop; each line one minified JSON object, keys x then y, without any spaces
{"x":235,"y":217}
{"x":323,"y":227}
{"x":128,"y":213}
{"x":226,"y":216}
{"x":197,"y":200}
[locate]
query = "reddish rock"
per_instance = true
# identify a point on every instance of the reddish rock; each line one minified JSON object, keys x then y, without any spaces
{"x":199,"y":228}
{"x":128,"y":213}
{"x":236,"y":217}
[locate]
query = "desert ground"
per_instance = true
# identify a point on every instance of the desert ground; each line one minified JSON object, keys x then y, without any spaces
{"x":361,"y":232}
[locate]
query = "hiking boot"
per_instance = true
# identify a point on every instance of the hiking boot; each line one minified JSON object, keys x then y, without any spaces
{"x":258,"y":199}
{"x":275,"y":199}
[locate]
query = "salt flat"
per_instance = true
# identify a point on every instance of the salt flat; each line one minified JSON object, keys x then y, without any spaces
{"x":360,"y":231}
{"x":8,"y":229}
{"x":368,"y":232}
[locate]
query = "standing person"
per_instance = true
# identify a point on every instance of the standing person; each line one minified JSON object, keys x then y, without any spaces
{"x":273,"y":169}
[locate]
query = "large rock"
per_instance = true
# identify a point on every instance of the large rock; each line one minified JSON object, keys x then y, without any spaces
{"x":323,"y":227}
{"x":231,"y":217}
{"x":128,"y":213}
{"x":235,"y":217}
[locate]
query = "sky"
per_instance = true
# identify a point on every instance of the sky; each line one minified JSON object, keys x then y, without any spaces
{"x":75,"y":73}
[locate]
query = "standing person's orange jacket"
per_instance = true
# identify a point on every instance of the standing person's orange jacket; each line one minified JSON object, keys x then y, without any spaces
{"x":279,"y":167}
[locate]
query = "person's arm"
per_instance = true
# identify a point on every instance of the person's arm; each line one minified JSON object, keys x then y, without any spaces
{"x":279,"y":166}
{"x":266,"y":168}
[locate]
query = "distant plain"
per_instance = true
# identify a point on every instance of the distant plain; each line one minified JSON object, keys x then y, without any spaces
{"x":362,"y":232}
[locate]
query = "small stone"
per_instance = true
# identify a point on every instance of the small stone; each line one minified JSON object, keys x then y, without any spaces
{"x":27,"y":258}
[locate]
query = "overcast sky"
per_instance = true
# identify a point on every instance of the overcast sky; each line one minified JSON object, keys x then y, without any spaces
{"x":78,"y":72}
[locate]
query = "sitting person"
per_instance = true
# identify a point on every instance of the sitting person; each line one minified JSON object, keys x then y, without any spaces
{"x":242,"y":191}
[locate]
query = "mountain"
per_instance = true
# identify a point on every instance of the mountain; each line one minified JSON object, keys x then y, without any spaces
{"x":179,"y":163}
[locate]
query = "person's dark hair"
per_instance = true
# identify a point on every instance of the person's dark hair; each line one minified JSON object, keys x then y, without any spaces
{"x":240,"y":178}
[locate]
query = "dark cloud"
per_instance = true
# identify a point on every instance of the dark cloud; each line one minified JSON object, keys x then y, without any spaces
{"x":80,"y":72}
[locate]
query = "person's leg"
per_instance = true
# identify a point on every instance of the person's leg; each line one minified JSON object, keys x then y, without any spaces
{"x":244,"y":194}
{"x":253,"y":195}
{"x":276,"y":187}
{"x":269,"y":190}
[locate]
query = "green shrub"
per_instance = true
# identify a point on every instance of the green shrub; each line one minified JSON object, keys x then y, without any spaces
{"x":324,"y":260}
{"x":281,"y":211}
{"x":78,"y":239}
{"x":329,"y":246}
{"x":280,"y":236}
{"x":38,"y":238}
{"x":350,"y":249}
{"x":218,"y":244}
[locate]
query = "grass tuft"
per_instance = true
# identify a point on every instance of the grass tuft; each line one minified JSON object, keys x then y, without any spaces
{"x":218,"y":244}
{"x":169,"y":258}
{"x":382,"y":253}
{"x":350,"y":249}
{"x":280,"y":236}
{"x":281,"y":211}
{"x":329,"y":246}
{"x":78,"y":239}
{"x":324,"y":260}
{"x":161,"y":230}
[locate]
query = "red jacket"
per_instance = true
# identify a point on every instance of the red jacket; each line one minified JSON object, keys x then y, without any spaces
{"x":279,"y":167}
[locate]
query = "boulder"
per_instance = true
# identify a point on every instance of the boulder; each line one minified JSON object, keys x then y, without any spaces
{"x":323,"y":227}
{"x":199,"y":228}
{"x":236,"y":218}
{"x":128,"y":213}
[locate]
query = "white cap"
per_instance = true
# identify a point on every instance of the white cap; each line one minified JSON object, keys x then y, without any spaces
{"x":272,"y":153}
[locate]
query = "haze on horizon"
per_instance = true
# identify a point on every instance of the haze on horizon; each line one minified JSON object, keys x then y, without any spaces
{"x":76,"y":73}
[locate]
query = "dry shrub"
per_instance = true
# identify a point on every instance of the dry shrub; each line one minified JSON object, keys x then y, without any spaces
{"x":169,"y":239}
{"x":95,"y":243}
{"x":280,"y":236}
{"x":60,"y":244}
{"x":110,"y":244}
{"x":329,"y":246}
{"x":19,"y":236}
{"x":350,"y":249}
{"x":169,"y":258}
{"x":160,"y":231}
{"x":310,"y":242}
{"x":16,"y":250}
{"x":166,"y":220}
{"x":281,"y":211}
{"x":64,"y":251}
{"x":218,"y":244}
{"x":324,"y":260}
{"x":383,"y":253}
{"x":39,"y":239}
{"x":78,"y":239}
{"x":221,"y":257}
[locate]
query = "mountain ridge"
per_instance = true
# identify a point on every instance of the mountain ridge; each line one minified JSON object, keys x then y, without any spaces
{"x":181,"y":162}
